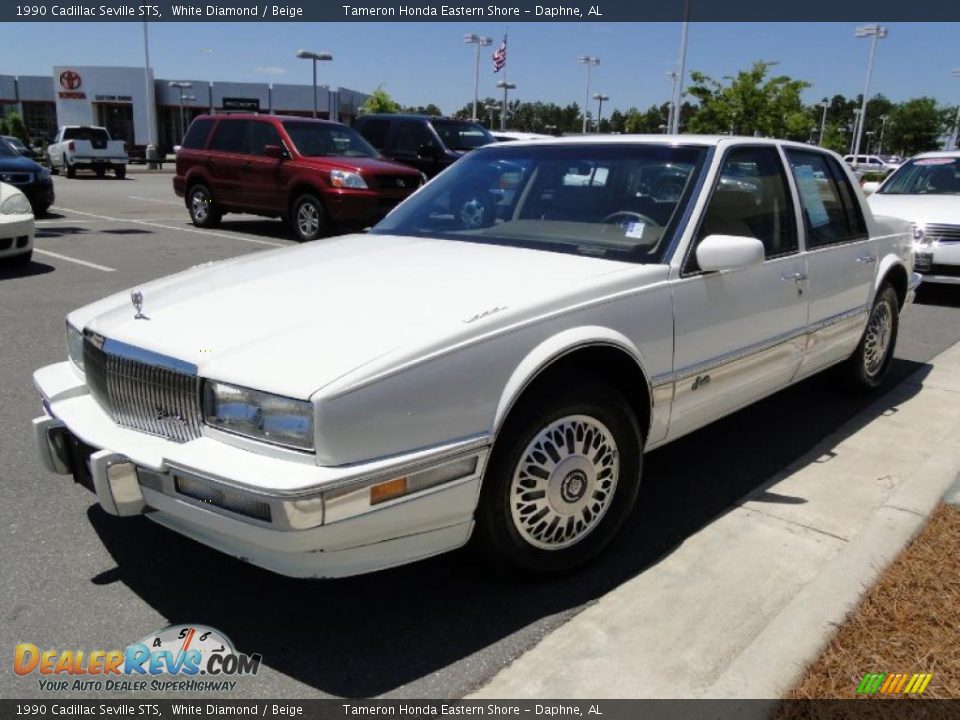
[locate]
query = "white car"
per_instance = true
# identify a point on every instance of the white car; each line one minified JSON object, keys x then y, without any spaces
{"x":870,"y":163}
{"x":513,"y":135}
{"x":82,"y":147}
{"x":926,"y":191}
{"x":16,"y":226}
{"x":362,"y":402}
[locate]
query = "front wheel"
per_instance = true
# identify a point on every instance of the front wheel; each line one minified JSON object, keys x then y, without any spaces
{"x":308,"y":218}
{"x":871,"y":361}
{"x":562,"y":479}
{"x":203,"y":213}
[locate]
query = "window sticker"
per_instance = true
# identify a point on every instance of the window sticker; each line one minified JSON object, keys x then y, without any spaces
{"x":935,"y":161}
{"x":810,"y":192}
{"x":635,"y":230}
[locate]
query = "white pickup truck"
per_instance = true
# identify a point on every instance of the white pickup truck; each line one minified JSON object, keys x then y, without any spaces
{"x":78,"y":147}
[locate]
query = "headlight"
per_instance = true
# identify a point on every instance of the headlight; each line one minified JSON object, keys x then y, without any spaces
{"x":346,"y":179}
{"x":75,"y":346}
{"x":44,"y":174}
{"x":16,"y":205}
{"x":259,"y":415}
{"x":918,"y":232}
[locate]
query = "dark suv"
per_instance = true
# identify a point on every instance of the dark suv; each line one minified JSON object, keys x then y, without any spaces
{"x":427,"y":143}
{"x":312,"y":173}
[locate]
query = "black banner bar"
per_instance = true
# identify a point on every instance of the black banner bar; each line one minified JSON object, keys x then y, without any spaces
{"x":508,"y":11}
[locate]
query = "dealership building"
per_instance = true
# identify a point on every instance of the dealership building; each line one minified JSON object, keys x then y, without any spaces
{"x":120,"y":99}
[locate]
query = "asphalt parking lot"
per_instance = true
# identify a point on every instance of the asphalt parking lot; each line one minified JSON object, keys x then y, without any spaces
{"x":78,"y":578}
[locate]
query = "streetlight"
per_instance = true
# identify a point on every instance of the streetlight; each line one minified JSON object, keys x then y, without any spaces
{"x":855,"y":135}
{"x":883,"y":126}
{"x":507,"y":86}
{"x":600,"y":98}
{"x":869,"y":134}
{"x":956,"y":123}
{"x":674,"y":76}
{"x":876,"y":32}
{"x":480,"y":41}
{"x":589,"y":62}
{"x":491,"y":108}
{"x":823,"y":120}
{"x":187,"y":99}
{"x":678,"y":86}
{"x":322,"y":56}
{"x":181,"y":86}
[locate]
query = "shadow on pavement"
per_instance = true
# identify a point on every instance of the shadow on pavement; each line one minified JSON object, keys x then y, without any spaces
{"x":937,"y":294}
{"x":373,"y":634}
{"x":9,"y":271}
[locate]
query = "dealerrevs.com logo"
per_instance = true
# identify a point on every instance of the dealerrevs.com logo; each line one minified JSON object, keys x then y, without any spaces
{"x":179,"y":658}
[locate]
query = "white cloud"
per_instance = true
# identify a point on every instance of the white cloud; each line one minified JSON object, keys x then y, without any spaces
{"x":270,"y":69}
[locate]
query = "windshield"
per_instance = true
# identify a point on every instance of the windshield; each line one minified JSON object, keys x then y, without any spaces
{"x":320,"y":140}
{"x":16,"y":142}
{"x":925,"y":176}
{"x":618,"y":201}
{"x":92,"y":134}
{"x":6,"y":150}
{"x":462,"y":135}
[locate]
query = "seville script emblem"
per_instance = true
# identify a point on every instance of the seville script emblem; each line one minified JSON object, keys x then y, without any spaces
{"x":70,"y":79}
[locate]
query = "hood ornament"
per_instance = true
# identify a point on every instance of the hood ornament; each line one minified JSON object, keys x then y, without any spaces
{"x":136,"y":297}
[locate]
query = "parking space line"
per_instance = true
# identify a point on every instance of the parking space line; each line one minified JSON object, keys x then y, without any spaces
{"x":155,"y":200}
{"x":170,"y":227}
{"x":74,"y":260}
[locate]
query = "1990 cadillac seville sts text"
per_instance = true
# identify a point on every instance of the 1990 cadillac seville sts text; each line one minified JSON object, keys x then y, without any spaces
{"x":491,"y":360}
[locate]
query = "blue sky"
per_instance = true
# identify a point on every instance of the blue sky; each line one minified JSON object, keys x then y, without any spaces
{"x":419,"y":63}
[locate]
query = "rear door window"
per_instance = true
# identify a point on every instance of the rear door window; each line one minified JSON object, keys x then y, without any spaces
{"x":230,"y":136}
{"x":831,"y":211}
{"x":413,"y":135}
{"x":375,"y":131}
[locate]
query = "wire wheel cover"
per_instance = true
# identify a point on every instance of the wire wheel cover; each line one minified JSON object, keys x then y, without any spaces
{"x":565,"y":482}
{"x":879,"y":332}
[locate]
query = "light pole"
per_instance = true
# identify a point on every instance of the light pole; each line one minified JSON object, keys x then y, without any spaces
{"x":869,"y":134}
{"x":678,"y":86}
{"x":823,"y":120}
{"x":491,"y":108}
{"x":151,"y":151}
{"x":314,"y":56}
{"x":855,"y":134}
{"x":674,"y":76}
{"x":507,"y":87}
{"x":875,"y":32}
{"x":183,"y":127}
{"x":181,"y":86}
{"x":956,"y":123}
{"x":601,"y":99}
{"x":480,"y":41}
{"x":883,"y":126}
{"x":589,"y":62}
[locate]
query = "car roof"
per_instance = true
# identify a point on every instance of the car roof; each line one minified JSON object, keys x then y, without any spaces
{"x":661,"y":139}
{"x":938,"y":154}
{"x":266,"y":116}
{"x":412,"y":116}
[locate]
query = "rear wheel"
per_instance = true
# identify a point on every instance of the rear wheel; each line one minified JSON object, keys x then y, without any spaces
{"x":101,"y":172}
{"x":562,"y":479}
{"x":308,"y":218}
{"x":69,"y":170}
{"x":120,"y":171}
{"x":869,"y":364}
{"x":203,"y":212}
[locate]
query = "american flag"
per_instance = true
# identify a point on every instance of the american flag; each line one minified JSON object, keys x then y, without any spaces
{"x":500,"y":56}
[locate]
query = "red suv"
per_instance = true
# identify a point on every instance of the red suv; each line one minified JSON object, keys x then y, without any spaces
{"x":313,"y":173}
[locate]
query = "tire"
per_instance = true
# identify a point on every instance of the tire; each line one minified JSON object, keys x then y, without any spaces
{"x":546,"y":525}
{"x":870,"y":362}
{"x":69,"y":170}
{"x":54,"y":170}
{"x":21,"y":260}
{"x":308,"y":218}
{"x":100,"y":172}
{"x":203,"y":212}
{"x":120,"y":172}
{"x":474,"y":209}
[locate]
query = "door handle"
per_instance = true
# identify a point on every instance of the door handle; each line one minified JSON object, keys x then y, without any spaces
{"x":866,"y":259}
{"x":794,"y":277}
{"x":209,"y":161}
{"x":247,"y":165}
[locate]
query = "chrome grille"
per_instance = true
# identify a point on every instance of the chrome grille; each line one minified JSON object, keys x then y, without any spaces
{"x":142,"y":396}
{"x":948,"y":233}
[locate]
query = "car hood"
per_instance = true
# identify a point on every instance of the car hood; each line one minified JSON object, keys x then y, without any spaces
{"x":18,"y":164}
{"x":920,"y":209}
{"x":293,"y":320}
{"x":371,"y":166}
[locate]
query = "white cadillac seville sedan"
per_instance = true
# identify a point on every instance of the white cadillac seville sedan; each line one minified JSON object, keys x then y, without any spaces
{"x":491,"y":360}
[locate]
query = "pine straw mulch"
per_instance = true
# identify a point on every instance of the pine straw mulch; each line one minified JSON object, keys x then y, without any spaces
{"x":908,"y":622}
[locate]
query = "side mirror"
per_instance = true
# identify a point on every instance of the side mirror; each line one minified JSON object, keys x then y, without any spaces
{"x":428,"y":152}
{"x":728,"y":252}
{"x":870,"y":187}
{"x":274,"y":151}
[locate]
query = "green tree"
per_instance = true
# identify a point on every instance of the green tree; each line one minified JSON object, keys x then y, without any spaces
{"x":380,"y":102}
{"x":915,"y":126}
{"x":16,"y":127}
{"x":428,"y":109}
{"x":750,"y":104}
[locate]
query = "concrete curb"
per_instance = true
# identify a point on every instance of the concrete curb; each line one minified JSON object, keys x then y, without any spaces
{"x":745,"y":621}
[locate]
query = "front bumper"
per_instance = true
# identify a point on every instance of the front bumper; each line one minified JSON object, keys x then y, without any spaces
{"x":362,"y":207}
{"x":939,"y":263}
{"x":98,"y":162}
{"x":16,"y":234}
{"x":251,"y":505}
